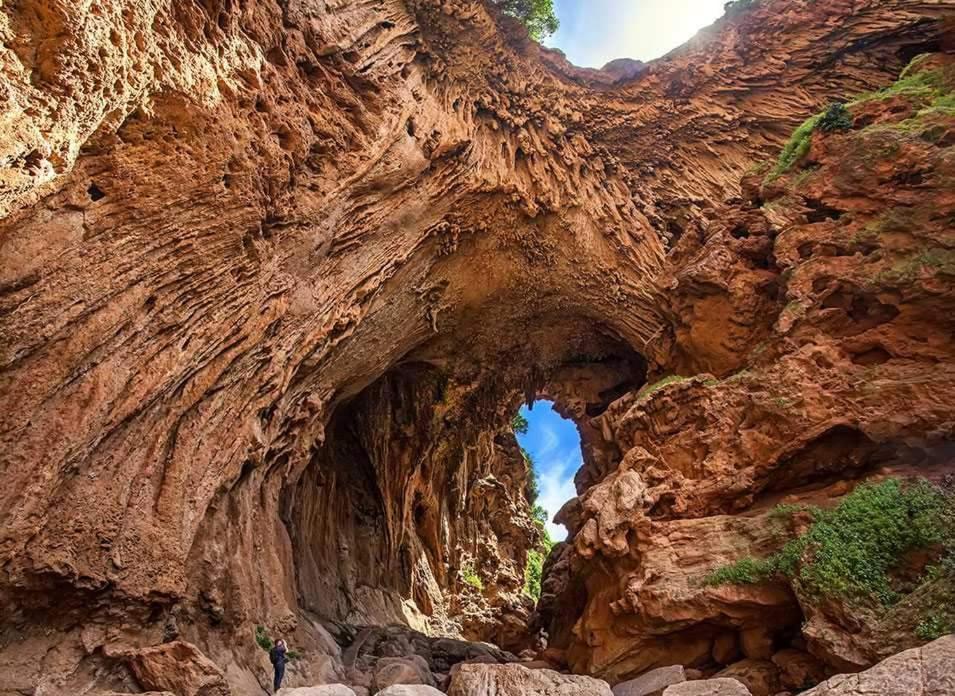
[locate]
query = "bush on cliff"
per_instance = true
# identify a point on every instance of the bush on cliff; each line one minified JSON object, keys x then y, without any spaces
{"x":538,"y":16}
{"x":534,"y":570}
{"x":262,"y":638}
{"x":849,"y":551}
{"x":470,"y":577}
{"x":835,"y":118}
{"x":519,"y":424}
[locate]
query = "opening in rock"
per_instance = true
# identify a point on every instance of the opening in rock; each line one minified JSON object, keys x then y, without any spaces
{"x":552,"y":447}
{"x":95,"y":192}
{"x":596,"y":33}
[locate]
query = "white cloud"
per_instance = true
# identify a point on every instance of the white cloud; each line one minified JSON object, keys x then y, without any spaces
{"x":557,"y":487}
{"x":549,"y":440}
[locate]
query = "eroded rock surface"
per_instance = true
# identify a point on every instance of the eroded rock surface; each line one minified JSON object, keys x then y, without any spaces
{"x":274,"y":277}
{"x":516,"y":680}
{"x":925,"y":671}
{"x":836,"y":271}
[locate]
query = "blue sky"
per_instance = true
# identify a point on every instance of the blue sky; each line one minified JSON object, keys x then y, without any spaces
{"x":554,"y":445}
{"x":594,"y":32}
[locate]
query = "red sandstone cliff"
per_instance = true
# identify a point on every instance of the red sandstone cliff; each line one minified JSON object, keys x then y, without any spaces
{"x":273,"y":275}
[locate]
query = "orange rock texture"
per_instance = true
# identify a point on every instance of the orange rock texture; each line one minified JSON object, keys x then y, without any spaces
{"x":275,"y":275}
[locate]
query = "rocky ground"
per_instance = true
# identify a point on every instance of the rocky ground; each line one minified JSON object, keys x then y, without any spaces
{"x":275,"y":275}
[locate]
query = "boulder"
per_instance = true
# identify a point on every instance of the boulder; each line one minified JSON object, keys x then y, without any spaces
{"x":651,"y":683}
{"x":726,"y":648}
{"x":515,"y":680}
{"x":177,"y":666}
{"x":761,"y":677}
{"x":756,"y":643}
{"x":320,"y":690}
{"x":317,"y":668}
{"x":402,"y":670}
{"x":798,"y":670}
{"x":410,"y":690}
{"x":708,"y":687}
{"x":925,"y":671}
{"x":536,"y":664}
{"x":126,"y":693}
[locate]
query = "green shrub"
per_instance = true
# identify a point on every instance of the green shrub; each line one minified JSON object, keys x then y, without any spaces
{"x":934,"y":626}
{"x":519,"y":424}
{"x":262,"y":638}
{"x":532,"y":487}
{"x":470,"y":577}
{"x":746,"y":571}
{"x":538,"y":16}
{"x":534,"y":569}
{"x":797,"y":147}
{"x":848,"y":551}
{"x":836,"y":118}
{"x":929,"y":91}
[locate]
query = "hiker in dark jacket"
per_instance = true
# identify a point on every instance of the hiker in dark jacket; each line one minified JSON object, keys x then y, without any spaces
{"x":278,"y":658}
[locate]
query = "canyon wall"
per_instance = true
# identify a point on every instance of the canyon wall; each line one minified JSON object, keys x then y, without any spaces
{"x":274,"y":276}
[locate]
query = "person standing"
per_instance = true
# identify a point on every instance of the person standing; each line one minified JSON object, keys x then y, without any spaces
{"x":278,"y":657}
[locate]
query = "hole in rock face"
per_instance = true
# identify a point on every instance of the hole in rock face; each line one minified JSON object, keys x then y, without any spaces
{"x":95,"y":192}
{"x":875,"y":355}
{"x":552,"y":446}
{"x":820,"y":212}
{"x":839,"y":452}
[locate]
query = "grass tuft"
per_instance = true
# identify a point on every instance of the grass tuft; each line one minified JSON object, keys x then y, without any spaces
{"x":647,"y":389}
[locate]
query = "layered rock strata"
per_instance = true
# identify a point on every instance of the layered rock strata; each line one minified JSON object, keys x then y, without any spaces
{"x":275,"y":275}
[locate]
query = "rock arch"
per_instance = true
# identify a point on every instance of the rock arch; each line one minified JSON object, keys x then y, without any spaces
{"x":245,"y":244}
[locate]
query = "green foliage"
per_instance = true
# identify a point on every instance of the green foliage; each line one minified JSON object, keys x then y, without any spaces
{"x":470,"y":577}
{"x":647,"y":389}
{"x":796,"y":148}
{"x":519,"y":424}
{"x":539,"y":515}
{"x":262,"y":638}
{"x":835,"y":118}
{"x":533,"y":571}
{"x":930,"y":92}
{"x":538,"y":16}
{"x":916,"y":84}
{"x":264,"y":642}
{"x":849,"y":551}
{"x":934,"y":626}
{"x":532,"y":487}
{"x":746,"y":571}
